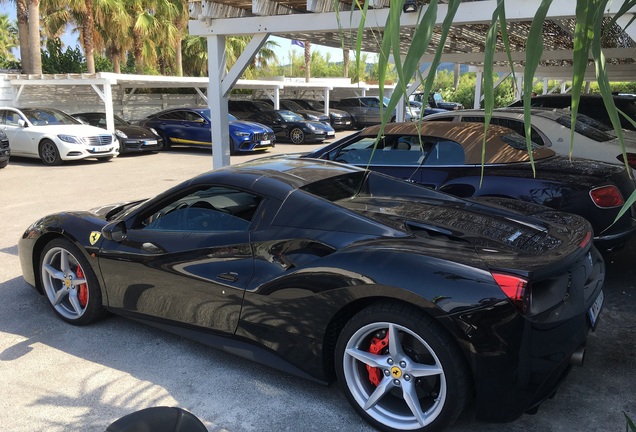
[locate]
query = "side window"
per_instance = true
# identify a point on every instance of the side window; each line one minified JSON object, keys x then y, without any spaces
{"x":173,"y":115}
{"x":193,"y":117}
{"x":446,"y":153}
{"x":3,"y":115}
{"x":210,"y":209}
{"x":390,"y":151}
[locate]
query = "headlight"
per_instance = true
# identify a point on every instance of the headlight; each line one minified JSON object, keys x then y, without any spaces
{"x":70,"y":139}
{"x":120,"y":134}
{"x":242,"y":134}
{"x":154,"y":131}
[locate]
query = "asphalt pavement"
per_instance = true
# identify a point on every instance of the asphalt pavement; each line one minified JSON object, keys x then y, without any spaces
{"x":57,"y":377}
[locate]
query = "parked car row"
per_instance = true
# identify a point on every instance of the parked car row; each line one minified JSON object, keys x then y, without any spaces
{"x":55,"y":137}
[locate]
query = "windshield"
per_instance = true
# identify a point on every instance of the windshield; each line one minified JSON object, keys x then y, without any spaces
{"x":293,"y":106}
{"x":48,"y":116}
{"x":314,"y":105}
{"x":290,"y":116}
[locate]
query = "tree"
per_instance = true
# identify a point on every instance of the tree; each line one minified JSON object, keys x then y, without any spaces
{"x":35,"y":56}
{"x":23,"y":34}
{"x":8,"y":38}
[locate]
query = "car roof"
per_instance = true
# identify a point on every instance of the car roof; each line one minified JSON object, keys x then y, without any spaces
{"x":470,"y":136}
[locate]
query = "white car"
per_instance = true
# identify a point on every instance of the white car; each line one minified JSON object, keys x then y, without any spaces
{"x":551,"y":128}
{"x":54,"y":136}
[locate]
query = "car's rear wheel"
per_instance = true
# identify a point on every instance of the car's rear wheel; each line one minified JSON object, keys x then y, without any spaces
{"x":400,"y":370}
{"x":297,"y":136}
{"x":49,"y":154}
{"x":166,"y":141}
{"x":70,"y":283}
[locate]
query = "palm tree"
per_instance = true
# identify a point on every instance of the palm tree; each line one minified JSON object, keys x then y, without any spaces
{"x":307,"y":61}
{"x":35,"y":55}
{"x":8,"y":38}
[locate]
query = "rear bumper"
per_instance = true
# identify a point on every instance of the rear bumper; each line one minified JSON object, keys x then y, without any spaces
{"x":615,"y":240}
{"x":519,"y":364}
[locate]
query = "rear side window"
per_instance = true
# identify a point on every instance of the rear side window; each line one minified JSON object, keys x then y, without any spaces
{"x":515,"y":125}
{"x":585,"y":129}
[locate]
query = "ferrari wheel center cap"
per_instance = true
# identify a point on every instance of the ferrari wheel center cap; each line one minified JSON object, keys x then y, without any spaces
{"x":396,"y":372}
{"x":67,"y":282}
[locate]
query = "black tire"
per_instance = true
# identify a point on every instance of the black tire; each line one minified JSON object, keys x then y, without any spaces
{"x":297,"y":136}
{"x":62,"y":269}
{"x":232,"y":149}
{"x":166,"y":141}
{"x":49,"y":154}
{"x":426,"y":365}
{"x":3,"y":164}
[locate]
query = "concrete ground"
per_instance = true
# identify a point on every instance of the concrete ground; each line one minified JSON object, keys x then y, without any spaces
{"x":56,"y":377}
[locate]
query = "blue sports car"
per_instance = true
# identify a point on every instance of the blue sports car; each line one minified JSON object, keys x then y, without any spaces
{"x":192,"y":127}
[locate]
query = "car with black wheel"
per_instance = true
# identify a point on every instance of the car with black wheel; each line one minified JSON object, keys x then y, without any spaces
{"x":55,"y":137}
{"x":5,"y":150}
{"x":306,"y":113}
{"x":291,"y":127}
{"x":132,"y":138}
{"x":418,"y":303}
{"x":365,"y":110}
{"x":552,"y":128}
{"x":450,"y":157}
{"x":339,"y":119}
{"x":591,"y":105}
{"x":192,"y":127}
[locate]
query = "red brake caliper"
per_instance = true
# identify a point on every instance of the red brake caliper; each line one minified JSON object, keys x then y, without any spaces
{"x":376,"y":347}
{"x":83,"y":288}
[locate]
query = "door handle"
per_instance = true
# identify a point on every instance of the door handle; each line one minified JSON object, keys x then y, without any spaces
{"x":229,"y":276}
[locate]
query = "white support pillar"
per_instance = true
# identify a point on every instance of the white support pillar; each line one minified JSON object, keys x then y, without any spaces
{"x":545,"y":85}
{"x":217,"y":102}
{"x":326,"y":100}
{"x":587,"y":87}
{"x":519,"y":87}
{"x":106,"y":95}
{"x":276,"y":97}
{"x":478,"y":84}
{"x":400,"y":109}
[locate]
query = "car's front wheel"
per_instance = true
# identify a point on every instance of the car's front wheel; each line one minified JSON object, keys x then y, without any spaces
{"x":49,"y":154}
{"x":400,"y":370}
{"x":70,"y":283}
{"x":297,"y":136}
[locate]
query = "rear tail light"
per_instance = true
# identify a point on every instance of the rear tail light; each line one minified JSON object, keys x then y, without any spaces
{"x":607,"y":196}
{"x":631,"y":159}
{"x":516,"y":289}
{"x":586,"y":240}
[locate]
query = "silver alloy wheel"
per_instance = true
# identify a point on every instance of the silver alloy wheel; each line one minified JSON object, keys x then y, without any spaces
{"x":65,"y":283}
{"x":297,"y":136}
{"x":412,"y":391}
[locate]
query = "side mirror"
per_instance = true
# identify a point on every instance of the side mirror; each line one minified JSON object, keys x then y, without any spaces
{"x":22,"y":123}
{"x":115,"y":231}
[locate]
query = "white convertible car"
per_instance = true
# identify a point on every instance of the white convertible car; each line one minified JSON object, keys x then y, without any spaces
{"x":54,"y":136}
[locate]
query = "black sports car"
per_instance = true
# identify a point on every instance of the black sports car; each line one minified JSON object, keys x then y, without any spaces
{"x":416,"y":301}
{"x":289,"y":126}
{"x":132,"y":138}
{"x":339,"y":119}
{"x":447,"y":156}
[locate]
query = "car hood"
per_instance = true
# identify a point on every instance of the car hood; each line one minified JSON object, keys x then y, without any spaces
{"x":136,"y":131}
{"x":501,"y":231}
{"x":77,"y":130}
{"x":320,"y":126}
{"x":249,"y":126}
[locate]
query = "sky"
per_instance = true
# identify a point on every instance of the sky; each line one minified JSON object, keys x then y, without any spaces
{"x":282,"y":51}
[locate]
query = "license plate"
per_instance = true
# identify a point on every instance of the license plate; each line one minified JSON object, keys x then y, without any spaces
{"x":265,"y":142}
{"x":101,"y":149}
{"x":150,"y":142}
{"x":331,"y":134}
{"x":595,"y":310}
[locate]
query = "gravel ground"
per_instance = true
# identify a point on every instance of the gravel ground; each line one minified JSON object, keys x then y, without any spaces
{"x":56,"y":377}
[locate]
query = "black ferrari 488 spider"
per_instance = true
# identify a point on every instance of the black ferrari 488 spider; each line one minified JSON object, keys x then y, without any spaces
{"x":417,"y":302}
